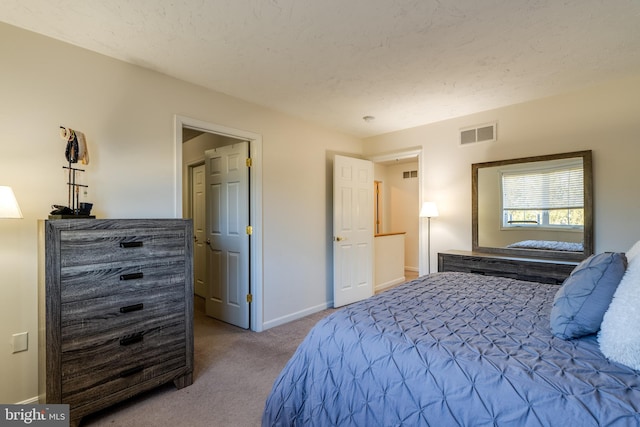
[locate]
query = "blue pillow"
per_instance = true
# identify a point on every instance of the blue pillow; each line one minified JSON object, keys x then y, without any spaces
{"x":584,"y":297}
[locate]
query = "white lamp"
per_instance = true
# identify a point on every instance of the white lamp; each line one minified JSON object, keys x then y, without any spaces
{"x":8,"y":204}
{"x":429,"y":210}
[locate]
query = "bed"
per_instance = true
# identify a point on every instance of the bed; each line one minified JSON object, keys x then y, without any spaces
{"x":451,"y":349}
{"x":548,"y":245}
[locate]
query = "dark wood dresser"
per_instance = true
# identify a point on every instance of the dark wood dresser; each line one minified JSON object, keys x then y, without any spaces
{"x":529,"y":269}
{"x":115,"y":309}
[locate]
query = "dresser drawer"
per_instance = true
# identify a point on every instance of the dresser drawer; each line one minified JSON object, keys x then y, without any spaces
{"x":86,"y":282}
{"x":489,"y":267}
{"x":100,"y":317}
{"x":90,"y":247}
{"x":88,"y":354}
{"x":113,"y":363}
{"x":78,"y":393}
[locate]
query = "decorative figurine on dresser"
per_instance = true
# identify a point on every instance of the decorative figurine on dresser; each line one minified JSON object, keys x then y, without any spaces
{"x":115,"y":309}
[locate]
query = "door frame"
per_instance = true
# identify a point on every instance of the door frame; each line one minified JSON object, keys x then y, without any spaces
{"x":422,"y":229}
{"x":255,"y":201}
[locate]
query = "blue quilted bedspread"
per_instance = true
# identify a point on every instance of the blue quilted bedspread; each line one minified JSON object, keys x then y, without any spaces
{"x":451,"y":349}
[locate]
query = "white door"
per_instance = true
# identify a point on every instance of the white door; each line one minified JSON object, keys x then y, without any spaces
{"x":352,"y":230}
{"x":227,"y":181}
{"x":198,"y":212}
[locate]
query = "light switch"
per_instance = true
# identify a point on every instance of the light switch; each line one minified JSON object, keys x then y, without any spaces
{"x":20,"y":342}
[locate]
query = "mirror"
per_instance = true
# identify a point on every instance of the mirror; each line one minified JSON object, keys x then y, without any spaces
{"x":535,"y":206}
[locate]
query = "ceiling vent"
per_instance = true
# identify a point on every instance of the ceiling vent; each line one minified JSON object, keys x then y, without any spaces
{"x":478,"y":133}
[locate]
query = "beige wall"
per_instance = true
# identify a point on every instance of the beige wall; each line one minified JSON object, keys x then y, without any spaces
{"x":603,"y":119}
{"x":127,"y":114}
{"x":405,"y":209}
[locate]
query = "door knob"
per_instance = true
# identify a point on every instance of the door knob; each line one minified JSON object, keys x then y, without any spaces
{"x":340,"y":239}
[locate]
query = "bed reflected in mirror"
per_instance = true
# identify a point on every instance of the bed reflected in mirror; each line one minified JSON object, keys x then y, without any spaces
{"x":536,"y":206}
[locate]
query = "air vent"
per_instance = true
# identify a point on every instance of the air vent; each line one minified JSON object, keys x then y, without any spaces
{"x":479,"y":133}
{"x":409,"y":174}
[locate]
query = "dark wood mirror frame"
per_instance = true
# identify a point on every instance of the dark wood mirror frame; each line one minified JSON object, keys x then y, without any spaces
{"x":548,"y":254}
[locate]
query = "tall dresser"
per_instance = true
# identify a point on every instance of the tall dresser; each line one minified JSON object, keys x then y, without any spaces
{"x":115,"y":309}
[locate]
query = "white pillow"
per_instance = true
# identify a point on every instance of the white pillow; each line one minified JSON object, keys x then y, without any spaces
{"x":633,"y":252}
{"x":619,"y":335}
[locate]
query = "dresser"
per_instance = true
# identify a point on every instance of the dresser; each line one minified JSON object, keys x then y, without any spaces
{"x":115,"y":309}
{"x":528,"y":269}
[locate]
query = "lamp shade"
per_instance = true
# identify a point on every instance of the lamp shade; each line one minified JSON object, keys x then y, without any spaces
{"x":8,"y":204}
{"x":428,"y":210}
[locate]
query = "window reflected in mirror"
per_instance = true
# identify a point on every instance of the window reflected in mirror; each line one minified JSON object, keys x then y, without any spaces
{"x":543,"y":195}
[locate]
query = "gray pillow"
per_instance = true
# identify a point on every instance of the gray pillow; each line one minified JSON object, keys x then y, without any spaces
{"x":584,"y":297}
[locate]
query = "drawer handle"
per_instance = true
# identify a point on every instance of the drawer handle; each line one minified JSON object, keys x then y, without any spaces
{"x":131,"y":276}
{"x":131,"y":244}
{"x":131,"y":339}
{"x":132,"y":371}
{"x":130,"y":308}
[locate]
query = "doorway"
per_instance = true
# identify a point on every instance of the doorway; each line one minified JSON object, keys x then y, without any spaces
{"x":402,"y":186}
{"x":189,"y":156}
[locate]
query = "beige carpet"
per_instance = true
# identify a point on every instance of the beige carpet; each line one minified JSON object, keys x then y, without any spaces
{"x":234,"y":372}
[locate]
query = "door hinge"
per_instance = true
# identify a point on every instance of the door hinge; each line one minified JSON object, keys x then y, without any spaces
{"x":249,"y":230}
{"x":249,"y":162}
{"x":249,"y":298}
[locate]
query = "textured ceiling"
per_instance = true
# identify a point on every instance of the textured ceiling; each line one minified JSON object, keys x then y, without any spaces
{"x":406,"y":62}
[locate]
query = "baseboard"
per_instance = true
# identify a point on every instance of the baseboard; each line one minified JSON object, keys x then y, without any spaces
{"x":416,"y":269}
{"x":297,"y":315}
{"x":383,"y":286}
{"x":31,"y":401}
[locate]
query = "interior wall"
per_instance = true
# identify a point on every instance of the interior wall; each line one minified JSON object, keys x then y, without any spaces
{"x":404,"y":210}
{"x":127,"y":114}
{"x":602,"y":118}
